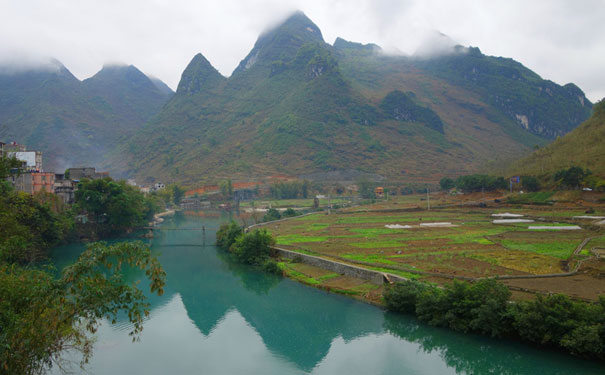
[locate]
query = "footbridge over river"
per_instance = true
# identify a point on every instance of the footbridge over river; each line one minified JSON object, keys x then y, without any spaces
{"x":194,"y":243}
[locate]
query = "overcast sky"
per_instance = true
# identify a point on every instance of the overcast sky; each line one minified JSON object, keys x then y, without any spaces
{"x":561,"y":40}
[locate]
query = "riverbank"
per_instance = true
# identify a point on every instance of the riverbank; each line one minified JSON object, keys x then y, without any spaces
{"x":159,"y":217}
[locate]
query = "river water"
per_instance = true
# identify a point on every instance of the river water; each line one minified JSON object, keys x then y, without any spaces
{"x":218,"y":317}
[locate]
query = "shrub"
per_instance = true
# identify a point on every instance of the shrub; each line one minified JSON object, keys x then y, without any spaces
{"x":272,"y":215}
{"x":253,"y":248}
{"x":403,"y":296}
{"x":289,"y":213}
{"x":446,"y":183}
{"x":271,"y":266}
{"x":530,"y":183}
{"x":227,"y":234}
{"x":571,"y":177}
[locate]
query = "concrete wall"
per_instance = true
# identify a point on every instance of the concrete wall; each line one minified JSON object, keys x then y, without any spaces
{"x":374,"y":277}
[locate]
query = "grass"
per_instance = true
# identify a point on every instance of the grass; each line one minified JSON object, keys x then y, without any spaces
{"x":558,"y":249}
{"x":542,"y":197}
{"x":476,"y":247}
{"x":290,"y":239}
{"x":407,"y":275}
{"x":285,"y":203}
{"x":369,"y":258}
{"x":378,"y":244}
{"x":389,"y":219}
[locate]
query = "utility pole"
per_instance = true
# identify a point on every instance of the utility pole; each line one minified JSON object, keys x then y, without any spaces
{"x":428,"y":198}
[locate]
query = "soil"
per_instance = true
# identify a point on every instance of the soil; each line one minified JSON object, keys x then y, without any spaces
{"x":588,"y":284}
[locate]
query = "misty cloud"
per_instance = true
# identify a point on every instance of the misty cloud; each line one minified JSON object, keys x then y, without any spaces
{"x":560,"y":40}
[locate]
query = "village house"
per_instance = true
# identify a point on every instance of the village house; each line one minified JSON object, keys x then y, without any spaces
{"x":90,"y":173}
{"x":64,"y":188}
{"x":33,"y":182}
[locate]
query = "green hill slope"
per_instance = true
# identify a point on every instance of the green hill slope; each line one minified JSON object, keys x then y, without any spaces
{"x":72,"y":122}
{"x":583,"y":147}
{"x":296,"y":105}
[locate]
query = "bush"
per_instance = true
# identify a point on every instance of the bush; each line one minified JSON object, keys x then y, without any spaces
{"x":446,"y":183}
{"x":271,"y":266}
{"x":227,"y":234}
{"x":272,"y":215}
{"x":289,"y":213}
{"x":253,"y":248}
{"x":484,"y":307}
{"x":571,"y":177}
{"x":403,"y":296}
{"x":478,"y":182}
{"x":530,"y":183}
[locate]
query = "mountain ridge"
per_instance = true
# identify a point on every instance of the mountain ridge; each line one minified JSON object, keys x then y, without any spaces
{"x":73,"y":122}
{"x":297,"y":105}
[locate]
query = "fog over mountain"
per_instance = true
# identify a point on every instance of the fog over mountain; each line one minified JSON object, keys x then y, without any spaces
{"x":560,"y":39}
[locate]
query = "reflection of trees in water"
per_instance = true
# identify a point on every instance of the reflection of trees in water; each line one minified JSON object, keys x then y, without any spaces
{"x":252,"y":278}
{"x":471,"y":354}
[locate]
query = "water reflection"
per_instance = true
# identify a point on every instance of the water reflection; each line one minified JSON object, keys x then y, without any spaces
{"x":223,"y":318}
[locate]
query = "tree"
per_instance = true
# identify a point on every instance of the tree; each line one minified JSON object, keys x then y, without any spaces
{"x":272,"y":215}
{"x":253,"y":248}
{"x":41,"y":316}
{"x":227,"y":234}
{"x":28,"y":227}
{"x":114,"y":206}
{"x":366,"y":189}
{"x":571,"y":177}
{"x":290,"y":212}
{"x":530,"y":183}
{"x":226,"y":188}
{"x":177,"y":194}
{"x":446,"y":183}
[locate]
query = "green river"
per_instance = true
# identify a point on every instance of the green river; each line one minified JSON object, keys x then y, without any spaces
{"x":218,"y":317}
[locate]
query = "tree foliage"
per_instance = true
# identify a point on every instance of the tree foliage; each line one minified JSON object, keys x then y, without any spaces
{"x":484,"y":307}
{"x":272,"y":215}
{"x":41,"y":316}
{"x":478,"y":182}
{"x":571,"y":177}
{"x":446,"y":183}
{"x":530,"y":183}
{"x":227,"y":233}
{"x":28,"y":227}
{"x":113,"y":206}
{"x":253,"y":248}
{"x":290,"y":189}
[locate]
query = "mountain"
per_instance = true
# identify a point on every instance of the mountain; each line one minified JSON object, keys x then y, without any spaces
{"x":296,"y":105}
{"x":75,"y":123}
{"x":583,"y":147}
{"x":126,"y":92}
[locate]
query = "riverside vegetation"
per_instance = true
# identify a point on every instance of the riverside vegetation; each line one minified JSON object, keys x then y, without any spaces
{"x":42,"y":314}
{"x":473,"y":247}
{"x":485,"y":307}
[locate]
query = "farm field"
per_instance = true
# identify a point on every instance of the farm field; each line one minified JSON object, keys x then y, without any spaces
{"x":403,"y":238}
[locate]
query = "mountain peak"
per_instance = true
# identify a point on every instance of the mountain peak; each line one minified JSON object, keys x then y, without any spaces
{"x":199,"y":75}
{"x":341,"y":44}
{"x":282,"y":41}
{"x":113,"y":73}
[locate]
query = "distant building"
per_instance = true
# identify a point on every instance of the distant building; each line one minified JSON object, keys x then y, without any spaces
{"x":158,"y":186}
{"x":34,"y":182}
{"x":32,"y":159}
{"x":14,"y":147}
{"x":2,"y":149}
{"x":86,"y":172}
{"x":64,"y":188}
{"x":379,"y":192}
{"x":193,"y":203}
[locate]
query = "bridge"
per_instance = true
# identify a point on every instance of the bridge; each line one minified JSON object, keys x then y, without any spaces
{"x":202,"y":229}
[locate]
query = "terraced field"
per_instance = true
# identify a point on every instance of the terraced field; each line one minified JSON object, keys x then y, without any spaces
{"x":440,"y":244}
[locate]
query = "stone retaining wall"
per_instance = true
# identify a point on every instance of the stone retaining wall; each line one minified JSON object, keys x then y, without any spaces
{"x":375,"y":277}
